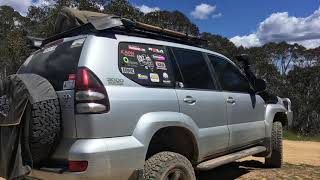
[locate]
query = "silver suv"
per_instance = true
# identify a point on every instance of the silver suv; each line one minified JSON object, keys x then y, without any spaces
{"x":138,"y":104}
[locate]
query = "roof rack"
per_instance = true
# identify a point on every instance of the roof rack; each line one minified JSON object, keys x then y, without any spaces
{"x":125,"y":26}
{"x":189,"y":39}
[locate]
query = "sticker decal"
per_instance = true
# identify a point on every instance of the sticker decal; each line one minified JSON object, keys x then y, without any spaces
{"x":143,"y":77}
{"x":49,"y":49}
{"x":155,"y":50}
{"x":158,"y":57}
{"x":127,"y":53}
{"x":154,"y":77}
{"x":166,"y":78}
{"x":127,"y":61}
{"x":145,"y":61}
{"x":126,"y":70}
{"x":136,"y":48}
{"x":161,"y":65}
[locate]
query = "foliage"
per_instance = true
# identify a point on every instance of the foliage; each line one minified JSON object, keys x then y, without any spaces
{"x":304,"y":91}
{"x":290,"y":135}
{"x":289,"y":69}
{"x":172,"y":20}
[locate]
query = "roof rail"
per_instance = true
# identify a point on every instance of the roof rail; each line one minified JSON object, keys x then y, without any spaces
{"x":163,"y":31}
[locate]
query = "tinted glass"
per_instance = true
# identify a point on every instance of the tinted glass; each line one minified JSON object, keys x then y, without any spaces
{"x":231,"y":79}
{"x":145,"y":64}
{"x":55,"y":63}
{"x":194,"y":69}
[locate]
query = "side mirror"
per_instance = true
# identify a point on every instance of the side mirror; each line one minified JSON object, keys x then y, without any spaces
{"x":244,"y":59}
{"x":260,"y":85}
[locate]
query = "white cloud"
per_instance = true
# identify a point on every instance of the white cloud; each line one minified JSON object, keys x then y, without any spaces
{"x":214,"y":16}
{"x":146,"y":9}
{"x":246,"y":41}
{"x":203,"y":11}
{"x":282,"y":27}
{"x":43,"y":3}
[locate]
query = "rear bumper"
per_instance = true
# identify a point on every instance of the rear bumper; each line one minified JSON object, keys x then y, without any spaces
{"x":109,"y":158}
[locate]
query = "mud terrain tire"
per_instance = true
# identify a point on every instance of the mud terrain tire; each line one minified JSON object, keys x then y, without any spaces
{"x":44,"y":128}
{"x":168,"y":165}
{"x":276,"y":158}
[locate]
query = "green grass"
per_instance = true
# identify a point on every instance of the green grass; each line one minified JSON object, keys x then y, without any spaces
{"x":289,"y":135}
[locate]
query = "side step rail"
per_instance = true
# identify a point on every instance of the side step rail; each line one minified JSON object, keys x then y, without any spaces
{"x":207,"y":165}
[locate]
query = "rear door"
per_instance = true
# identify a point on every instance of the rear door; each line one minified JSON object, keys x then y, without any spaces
{"x":245,"y":109}
{"x":201,"y":101}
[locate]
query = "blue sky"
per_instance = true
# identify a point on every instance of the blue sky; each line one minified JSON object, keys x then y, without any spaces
{"x":242,"y":18}
{"x":239,"y":17}
{"x":245,"y":22}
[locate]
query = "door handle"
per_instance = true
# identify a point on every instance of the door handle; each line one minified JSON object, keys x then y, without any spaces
{"x":231,"y":100}
{"x":189,"y":100}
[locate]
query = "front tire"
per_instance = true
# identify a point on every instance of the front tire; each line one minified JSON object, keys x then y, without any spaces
{"x":168,"y":166}
{"x":276,"y":158}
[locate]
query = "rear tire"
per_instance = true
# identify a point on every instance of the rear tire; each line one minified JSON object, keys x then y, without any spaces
{"x":168,"y":165}
{"x":276,"y":158}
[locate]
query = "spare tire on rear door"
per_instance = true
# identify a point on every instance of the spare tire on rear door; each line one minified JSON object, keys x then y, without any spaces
{"x":31,"y":101}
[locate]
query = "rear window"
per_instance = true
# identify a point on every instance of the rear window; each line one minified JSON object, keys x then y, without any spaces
{"x":55,"y":63}
{"x":147,"y":65}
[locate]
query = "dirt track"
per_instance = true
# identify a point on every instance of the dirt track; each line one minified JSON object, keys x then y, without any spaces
{"x":302,"y":161}
{"x":299,"y":152}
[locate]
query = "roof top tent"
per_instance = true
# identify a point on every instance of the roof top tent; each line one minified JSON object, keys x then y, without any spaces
{"x":72,"y":22}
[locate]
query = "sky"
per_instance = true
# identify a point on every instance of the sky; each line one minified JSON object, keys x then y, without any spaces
{"x":245,"y":22}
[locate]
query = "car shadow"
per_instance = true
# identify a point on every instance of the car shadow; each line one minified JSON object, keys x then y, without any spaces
{"x":230,"y":171}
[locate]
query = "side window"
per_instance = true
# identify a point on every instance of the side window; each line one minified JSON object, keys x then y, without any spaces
{"x":194,"y":69}
{"x":230,"y":77}
{"x":147,"y":65}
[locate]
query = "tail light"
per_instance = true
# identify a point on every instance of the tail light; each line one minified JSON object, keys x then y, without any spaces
{"x":91,"y":96}
{"x":78,"y":166}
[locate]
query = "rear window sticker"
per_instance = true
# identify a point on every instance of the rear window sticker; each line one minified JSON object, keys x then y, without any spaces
{"x":115,"y":81}
{"x":77,"y":43}
{"x":154,"y":77}
{"x":161,"y":65}
{"x":145,"y":61}
{"x":70,"y":84}
{"x":129,"y":62}
{"x":155,"y":50}
{"x":143,"y":77}
{"x":127,"y":53}
{"x":166,"y":78}
{"x":126,"y":70}
{"x":136,"y":48}
{"x":165,"y":75}
{"x":158,"y":57}
{"x":49,"y":49}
